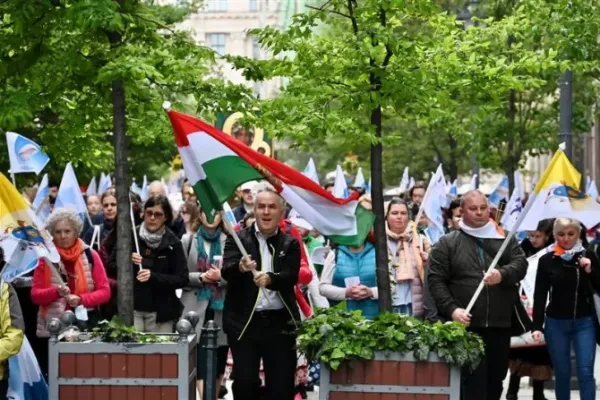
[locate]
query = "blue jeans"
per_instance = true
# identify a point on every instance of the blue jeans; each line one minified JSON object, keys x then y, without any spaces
{"x":404,"y":309}
{"x":560,"y":335}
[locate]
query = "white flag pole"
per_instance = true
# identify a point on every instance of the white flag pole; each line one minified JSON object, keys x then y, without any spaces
{"x":135,"y":238}
{"x":511,"y":234}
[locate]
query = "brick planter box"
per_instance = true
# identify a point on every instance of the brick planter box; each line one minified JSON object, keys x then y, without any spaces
{"x":111,"y":371}
{"x":391,"y":376}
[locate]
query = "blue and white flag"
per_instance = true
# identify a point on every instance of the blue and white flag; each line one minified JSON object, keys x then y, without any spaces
{"x":359,"y":182}
{"x":228,"y":213}
{"x":69,"y":193}
{"x":340,"y":186}
{"x":411,"y":183}
{"x":369,"y":185}
{"x":25,"y":378}
{"x":311,"y":171}
{"x":499,"y":194}
{"x":24,"y":154}
{"x":592,"y":189}
{"x":104,"y":184}
{"x":451,"y":192}
{"x":474,"y":185}
{"x":41,"y":203}
{"x":514,"y":207}
{"x":135,"y":188}
{"x":92,"y":188}
{"x":144,"y":191}
{"x":434,"y":200}
{"x":405,"y":181}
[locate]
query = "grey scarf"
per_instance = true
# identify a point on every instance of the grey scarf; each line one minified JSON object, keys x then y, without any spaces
{"x":152,"y":239}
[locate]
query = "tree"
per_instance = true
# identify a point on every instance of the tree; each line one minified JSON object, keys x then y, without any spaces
{"x":379,"y":57}
{"x":84,"y":72}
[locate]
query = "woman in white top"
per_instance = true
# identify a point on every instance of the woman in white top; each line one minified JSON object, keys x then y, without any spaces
{"x":205,"y":293}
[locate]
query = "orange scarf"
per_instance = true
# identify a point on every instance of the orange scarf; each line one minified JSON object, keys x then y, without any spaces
{"x":73,"y":255}
{"x":559,"y":250}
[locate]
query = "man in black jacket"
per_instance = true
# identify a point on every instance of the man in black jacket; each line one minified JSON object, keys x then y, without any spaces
{"x":457,"y":265}
{"x":260,"y":315}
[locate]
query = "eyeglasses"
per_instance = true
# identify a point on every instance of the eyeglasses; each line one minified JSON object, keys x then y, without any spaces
{"x":154,"y":214}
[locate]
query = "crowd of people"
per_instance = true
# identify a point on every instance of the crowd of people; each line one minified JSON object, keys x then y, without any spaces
{"x":260,"y":296}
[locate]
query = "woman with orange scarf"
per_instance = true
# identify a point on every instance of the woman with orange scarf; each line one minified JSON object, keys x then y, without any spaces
{"x":78,"y":282}
{"x":408,"y":253}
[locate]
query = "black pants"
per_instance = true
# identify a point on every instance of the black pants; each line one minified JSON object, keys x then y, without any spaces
{"x":267,"y":337}
{"x":485,"y":382}
{"x":4,"y":387}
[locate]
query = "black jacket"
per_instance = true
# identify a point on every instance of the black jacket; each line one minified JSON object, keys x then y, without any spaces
{"x":169,"y":271}
{"x":456,"y":267}
{"x":570,"y":286}
{"x":242,"y":292}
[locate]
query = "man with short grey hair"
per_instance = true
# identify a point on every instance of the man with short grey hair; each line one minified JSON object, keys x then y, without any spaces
{"x":260,"y":314}
{"x":456,"y":266}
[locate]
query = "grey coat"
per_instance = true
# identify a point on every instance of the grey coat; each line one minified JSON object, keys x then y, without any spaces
{"x":188,"y":297}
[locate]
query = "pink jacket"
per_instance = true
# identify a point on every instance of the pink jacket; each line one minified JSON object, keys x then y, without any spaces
{"x":43,"y":296}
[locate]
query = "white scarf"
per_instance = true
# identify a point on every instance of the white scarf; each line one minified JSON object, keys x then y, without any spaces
{"x":488,"y":231}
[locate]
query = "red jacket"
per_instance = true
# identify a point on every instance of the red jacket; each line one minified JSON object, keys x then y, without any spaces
{"x":305,"y":274}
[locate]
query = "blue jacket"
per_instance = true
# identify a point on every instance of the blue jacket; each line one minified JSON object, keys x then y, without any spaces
{"x":363,"y":265}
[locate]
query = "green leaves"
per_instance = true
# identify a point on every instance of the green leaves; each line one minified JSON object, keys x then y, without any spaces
{"x":334,"y":335}
{"x":56,"y":70}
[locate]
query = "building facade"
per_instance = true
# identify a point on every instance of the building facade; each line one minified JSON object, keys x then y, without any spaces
{"x":224,"y":26}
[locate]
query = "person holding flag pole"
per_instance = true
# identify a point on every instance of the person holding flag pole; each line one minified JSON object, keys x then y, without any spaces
{"x":456,"y":266}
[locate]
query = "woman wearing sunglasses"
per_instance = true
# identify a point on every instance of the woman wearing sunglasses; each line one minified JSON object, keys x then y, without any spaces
{"x":163,"y":270}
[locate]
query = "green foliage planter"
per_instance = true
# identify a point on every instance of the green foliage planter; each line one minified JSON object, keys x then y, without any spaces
{"x":390,"y":354}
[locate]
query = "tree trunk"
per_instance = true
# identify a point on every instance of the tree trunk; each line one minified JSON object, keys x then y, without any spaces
{"x":381,"y":250}
{"x":452,"y":166}
{"x":123,"y":227}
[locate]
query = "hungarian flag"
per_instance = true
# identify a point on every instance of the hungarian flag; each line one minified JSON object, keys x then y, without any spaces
{"x":217,"y":164}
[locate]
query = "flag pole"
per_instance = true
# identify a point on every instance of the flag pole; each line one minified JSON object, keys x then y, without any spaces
{"x":511,"y":234}
{"x":135,"y":238}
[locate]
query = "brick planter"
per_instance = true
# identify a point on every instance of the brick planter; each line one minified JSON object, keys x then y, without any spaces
{"x":391,"y":377}
{"x":111,"y":371}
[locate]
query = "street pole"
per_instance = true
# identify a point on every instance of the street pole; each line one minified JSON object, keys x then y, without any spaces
{"x":566,"y":112}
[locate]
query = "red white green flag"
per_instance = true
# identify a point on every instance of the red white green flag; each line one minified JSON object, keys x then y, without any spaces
{"x":217,"y":164}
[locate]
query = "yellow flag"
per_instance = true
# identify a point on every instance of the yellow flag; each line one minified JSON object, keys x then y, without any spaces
{"x":13,"y":207}
{"x":559,"y":171}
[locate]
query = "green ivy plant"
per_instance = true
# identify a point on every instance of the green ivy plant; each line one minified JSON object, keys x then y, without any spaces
{"x":115,"y":331}
{"x":333,"y":336}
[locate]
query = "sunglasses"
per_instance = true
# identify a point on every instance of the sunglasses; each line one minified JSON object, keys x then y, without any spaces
{"x":154,"y":214}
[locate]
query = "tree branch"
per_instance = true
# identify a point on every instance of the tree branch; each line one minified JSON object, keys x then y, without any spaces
{"x":388,"y":49}
{"x":329,"y":11}
{"x":158,"y":24}
{"x":352,"y":17}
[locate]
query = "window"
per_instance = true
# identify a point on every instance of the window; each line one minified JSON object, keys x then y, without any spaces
{"x":255,"y":49}
{"x":253,"y":5}
{"x":216,"y":5}
{"x":216,"y":41}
